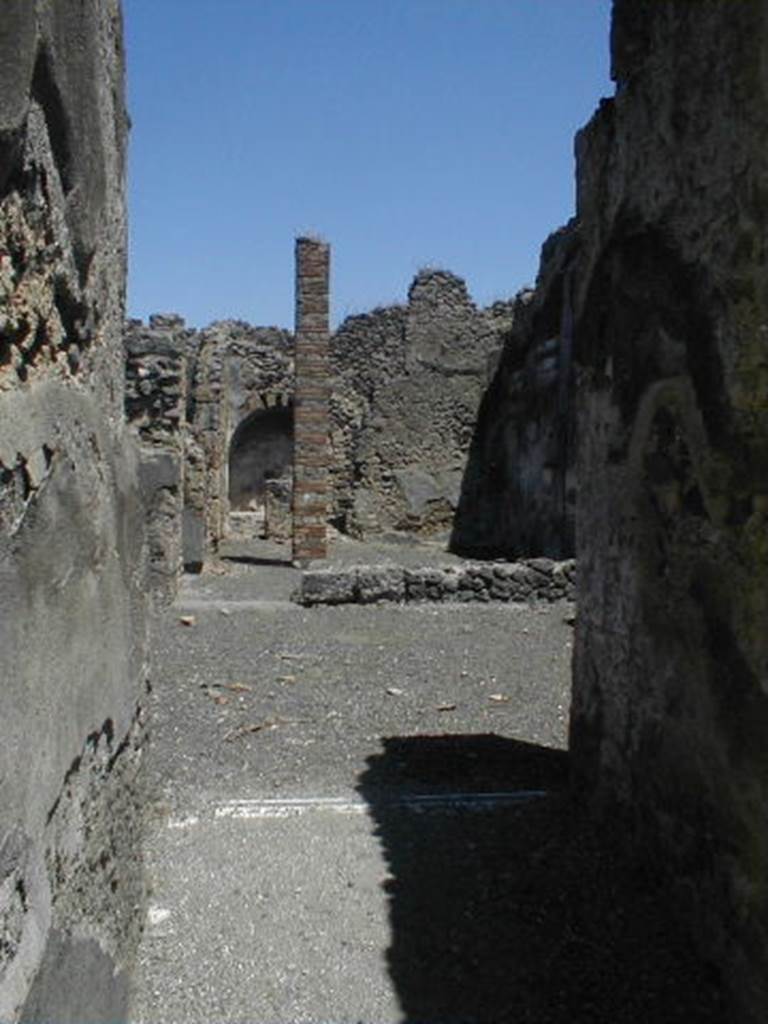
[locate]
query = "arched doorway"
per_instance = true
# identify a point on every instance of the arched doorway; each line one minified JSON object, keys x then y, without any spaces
{"x":261,"y":448}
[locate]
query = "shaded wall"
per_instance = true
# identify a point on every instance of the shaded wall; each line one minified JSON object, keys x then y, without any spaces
{"x":261,"y":449}
{"x":670,"y":711}
{"x":72,"y":633}
{"x":518,"y":491}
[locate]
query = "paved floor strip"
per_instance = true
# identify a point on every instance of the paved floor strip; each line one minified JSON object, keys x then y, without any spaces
{"x":294,"y":806}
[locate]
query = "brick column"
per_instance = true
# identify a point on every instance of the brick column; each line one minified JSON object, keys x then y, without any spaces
{"x":310,"y":422}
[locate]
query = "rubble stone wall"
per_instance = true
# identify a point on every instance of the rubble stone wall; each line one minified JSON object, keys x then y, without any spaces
{"x":256,"y":368}
{"x":72,"y":550}
{"x":155,"y":405}
{"x":234,"y":372}
{"x":518,"y":491}
{"x":670,"y":709}
{"x":529,"y":580}
{"x":206,"y":504}
{"x":408,"y":382}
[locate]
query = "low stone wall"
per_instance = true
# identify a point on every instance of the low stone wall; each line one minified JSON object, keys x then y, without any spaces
{"x":532,"y":579}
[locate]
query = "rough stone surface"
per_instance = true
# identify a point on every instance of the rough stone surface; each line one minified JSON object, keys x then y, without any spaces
{"x":408,"y":384}
{"x":670,"y":710}
{"x":155,"y":406}
{"x":278,"y":520}
{"x":518,"y":491}
{"x":404,"y":385}
{"x":256,"y":368}
{"x":536,"y":579}
{"x":218,"y":401}
{"x":72,"y":632}
{"x":328,"y":586}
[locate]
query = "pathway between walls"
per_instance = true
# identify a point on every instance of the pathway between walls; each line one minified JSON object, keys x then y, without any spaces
{"x":357,"y":815}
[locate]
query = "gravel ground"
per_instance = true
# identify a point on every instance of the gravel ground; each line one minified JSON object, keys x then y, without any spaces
{"x":299,"y":875}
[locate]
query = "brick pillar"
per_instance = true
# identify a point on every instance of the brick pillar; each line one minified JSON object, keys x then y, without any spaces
{"x":310,"y":451}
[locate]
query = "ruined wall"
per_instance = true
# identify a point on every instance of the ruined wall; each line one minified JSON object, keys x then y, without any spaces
{"x":407,"y":387}
{"x":155,"y":407}
{"x":258,"y":365}
{"x":406,"y":384}
{"x":190,"y":395}
{"x":257,"y":369}
{"x":206,"y":507}
{"x":72,"y":635}
{"x":670,"y":713}
{"x":518,"y":491}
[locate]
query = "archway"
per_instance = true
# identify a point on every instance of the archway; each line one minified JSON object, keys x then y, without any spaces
{"x":261,"y":448}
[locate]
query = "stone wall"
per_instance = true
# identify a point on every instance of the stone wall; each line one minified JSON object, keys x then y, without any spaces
{"x":72,"y":627}
{"x":406,"y":384}
{"x":670,"y":712}
{"x":155,"y":405}
{"x":256,"y":367}
{"x":518,"y":492}
{"x":206,"y":501}
{"x":527,"y":581}
{"x":408,"y":381}
{"x":235,"y":373}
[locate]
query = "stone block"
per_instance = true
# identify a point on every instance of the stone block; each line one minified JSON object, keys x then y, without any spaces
{"x":376,"y":583}
{"x":327,"y":586}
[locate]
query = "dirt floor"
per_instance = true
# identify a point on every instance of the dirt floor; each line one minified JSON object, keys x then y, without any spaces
{"x":361,"y":814}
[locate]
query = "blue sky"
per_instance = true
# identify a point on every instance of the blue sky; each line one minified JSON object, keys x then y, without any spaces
{"x":407,"y":133}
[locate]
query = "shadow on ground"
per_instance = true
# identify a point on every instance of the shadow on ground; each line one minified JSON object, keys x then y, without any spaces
{"x":523,"y":913}
{"x":255,"y":560}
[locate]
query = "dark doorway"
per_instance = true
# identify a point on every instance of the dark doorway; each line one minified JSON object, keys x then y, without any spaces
{"x":261,"y":448}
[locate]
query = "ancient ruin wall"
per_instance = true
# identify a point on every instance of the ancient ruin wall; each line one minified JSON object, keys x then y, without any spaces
{"x":257,"y":373}
{"x":196,"y":399}
{"x":670,"y":712}
{"x":406,"y":383}
{"x":72,"y":635}
{"x":155,"y":408}
{"x":518,"y":491}
{"x":407,"y":386}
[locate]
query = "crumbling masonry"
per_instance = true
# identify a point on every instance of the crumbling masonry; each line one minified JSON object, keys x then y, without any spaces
{"x":72,"y":543}
{"x":214,"y":412}
{"x":624,"y":400}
